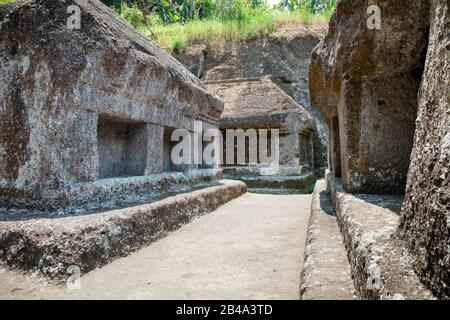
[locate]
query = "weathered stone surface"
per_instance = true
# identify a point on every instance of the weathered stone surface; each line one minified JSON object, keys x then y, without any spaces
{"x":256,"y":170}
{"x":380,"y":264}
{"x":284,"y":56}
{"x":326,"y":270}
{"x":298,"y":182}
{"x":48,"y":246}
{"x":58,"y":87}
{"x":258,"y":103}
{"x":425,"y":220}
{"x":365,"y":81}
{"x":277,"y":179}
{"x":105,"y":194}
{"x":367,"y":84}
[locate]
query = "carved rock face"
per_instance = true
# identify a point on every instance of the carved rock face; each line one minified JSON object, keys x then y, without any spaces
{"x":368,"y":80}
{"x":368,"y":84}
{"x":424,"y":224}
{"x":284,"y":56}
{"x":56,"y":83}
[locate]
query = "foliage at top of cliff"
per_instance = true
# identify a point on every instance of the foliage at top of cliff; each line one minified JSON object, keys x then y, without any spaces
{"x":176,"y":24}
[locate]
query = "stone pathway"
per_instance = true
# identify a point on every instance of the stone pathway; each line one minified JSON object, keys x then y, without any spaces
{"x":250,"y":248}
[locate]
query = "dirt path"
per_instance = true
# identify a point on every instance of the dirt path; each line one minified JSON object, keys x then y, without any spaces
{"x":250,"y":248}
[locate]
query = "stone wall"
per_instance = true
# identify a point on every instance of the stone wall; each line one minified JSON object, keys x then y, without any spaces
{"x":365,"y":81}
{"x":385,"y":95}
{"x":424,"y":223}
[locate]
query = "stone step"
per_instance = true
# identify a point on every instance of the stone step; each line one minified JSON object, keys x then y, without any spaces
{"x":381,"y":267}
{"x":48,"y":246}
{"x":326,"y":270}
{"x":103,"y":194}
{"x":300,"y":182}
{"x":261,"y":170}
{"x":279,"y":191}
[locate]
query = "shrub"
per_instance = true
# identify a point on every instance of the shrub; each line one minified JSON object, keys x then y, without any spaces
{"x":133,"y":15}
{"x":178,"y":44}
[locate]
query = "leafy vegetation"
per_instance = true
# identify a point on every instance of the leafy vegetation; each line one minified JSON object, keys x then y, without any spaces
{"x":311,"y":185}
{"x":175,"y":24}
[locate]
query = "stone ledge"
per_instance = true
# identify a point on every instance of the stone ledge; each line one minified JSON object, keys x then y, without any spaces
{"x":282,"y":179}
{"x":326,"y":270}
{"x":283,"y":182}
{"x":75,"y":198}
{"x":48,"y":246}
{"x":380,"y":265}
{"x":264,"y":170}
{"x":300,"y":182}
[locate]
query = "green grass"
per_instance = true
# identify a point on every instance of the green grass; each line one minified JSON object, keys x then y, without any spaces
{"x":6,"y":1}
{"x":176,"y":37}
{"x":311,"y":185}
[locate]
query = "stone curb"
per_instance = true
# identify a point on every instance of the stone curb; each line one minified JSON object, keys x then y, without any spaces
{"x":49,"y":246}
{"x":75,"y":198}
{"x":381,"y":267}
{"x":326,"y":271}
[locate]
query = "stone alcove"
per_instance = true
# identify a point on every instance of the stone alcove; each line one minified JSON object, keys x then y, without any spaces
{"x":122,"y":147}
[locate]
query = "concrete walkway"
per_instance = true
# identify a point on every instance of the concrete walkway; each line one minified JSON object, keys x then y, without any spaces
{"x":250,"y":248}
